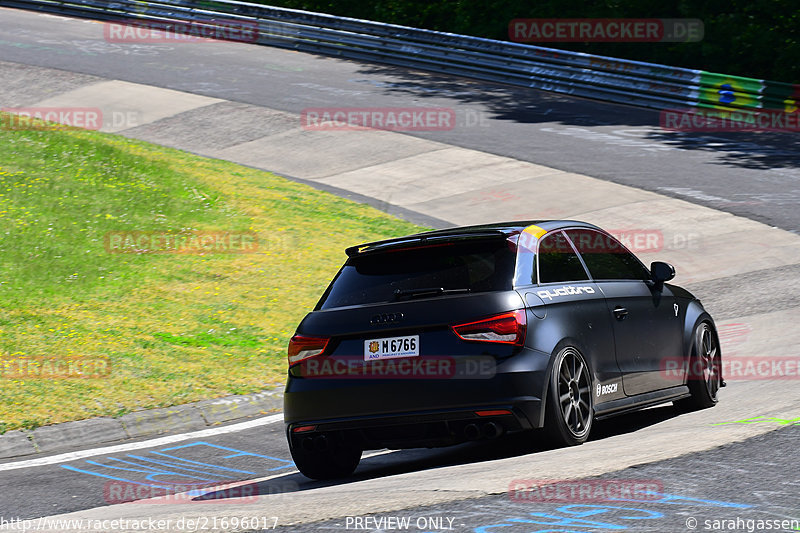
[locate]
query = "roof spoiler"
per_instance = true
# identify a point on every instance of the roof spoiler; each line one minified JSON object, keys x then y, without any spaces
{"x":423,"y":239}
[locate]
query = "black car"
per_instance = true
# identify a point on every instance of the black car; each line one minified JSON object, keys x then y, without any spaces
{"x":469,"y":333}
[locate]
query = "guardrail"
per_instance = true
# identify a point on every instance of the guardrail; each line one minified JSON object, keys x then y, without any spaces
{"x":591,"y":76}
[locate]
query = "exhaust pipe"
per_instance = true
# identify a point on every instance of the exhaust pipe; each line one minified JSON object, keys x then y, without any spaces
{"x":307,"y":444}
{"x":491,"y":430}
{"x":321,"y":442}
{"x":471,"y":432}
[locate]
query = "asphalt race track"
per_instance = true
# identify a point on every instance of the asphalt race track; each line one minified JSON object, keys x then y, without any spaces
{"x":684,"y":498}
{"x":754,"y":175}
{"x":737,"y":460}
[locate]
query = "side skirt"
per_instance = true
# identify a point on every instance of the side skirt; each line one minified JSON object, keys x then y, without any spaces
{"x":640,"y":401}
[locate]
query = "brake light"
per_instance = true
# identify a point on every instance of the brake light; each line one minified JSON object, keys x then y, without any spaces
{"x":507,"y":328}
{"x":302,"y":347}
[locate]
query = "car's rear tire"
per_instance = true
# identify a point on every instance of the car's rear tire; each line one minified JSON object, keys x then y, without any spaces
{"x":569,"y":409}
{"x":325,"y":458}
{"x":705,"y":370}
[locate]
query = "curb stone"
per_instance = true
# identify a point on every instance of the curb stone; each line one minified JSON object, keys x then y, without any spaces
{"x":16,"y":443}
{"x":188,"y":417}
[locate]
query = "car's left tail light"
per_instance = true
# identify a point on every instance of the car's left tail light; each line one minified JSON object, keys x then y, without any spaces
{"x":506,"y":328}
{"x":302,"y":347}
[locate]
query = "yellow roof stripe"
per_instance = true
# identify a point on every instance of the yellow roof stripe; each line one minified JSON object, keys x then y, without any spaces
{"x":536,"y":231}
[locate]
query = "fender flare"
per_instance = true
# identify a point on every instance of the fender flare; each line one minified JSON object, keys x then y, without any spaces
{"x":695,"y":314}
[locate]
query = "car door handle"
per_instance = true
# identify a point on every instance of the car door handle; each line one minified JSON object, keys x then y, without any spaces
{"x":620,"y":313}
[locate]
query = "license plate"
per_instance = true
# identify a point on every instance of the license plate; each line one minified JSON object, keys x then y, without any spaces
{"x":391,"y":348}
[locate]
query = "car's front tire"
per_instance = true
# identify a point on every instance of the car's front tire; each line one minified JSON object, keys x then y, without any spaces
{"x":705,"y":370}
{"x":569,"y":410}
{"x":322,"y":458}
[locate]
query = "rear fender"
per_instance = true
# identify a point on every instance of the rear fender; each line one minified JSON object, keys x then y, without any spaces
{"x":568,"y":341}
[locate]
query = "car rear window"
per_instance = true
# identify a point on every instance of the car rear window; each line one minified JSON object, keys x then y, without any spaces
{"x":478,"y":265}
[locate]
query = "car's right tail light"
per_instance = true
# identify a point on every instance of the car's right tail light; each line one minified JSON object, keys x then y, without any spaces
{"x":506,"y":328}
{"x":302,"y":347}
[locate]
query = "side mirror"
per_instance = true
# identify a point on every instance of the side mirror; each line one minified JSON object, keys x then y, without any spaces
{"x":661,"y":272}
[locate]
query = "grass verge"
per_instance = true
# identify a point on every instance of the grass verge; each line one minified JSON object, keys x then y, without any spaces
{"x":172,"y":327}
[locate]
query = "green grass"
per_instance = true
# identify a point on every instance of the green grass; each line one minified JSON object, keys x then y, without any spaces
{"x":176,"y":328}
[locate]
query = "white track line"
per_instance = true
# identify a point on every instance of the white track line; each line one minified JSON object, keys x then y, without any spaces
{"x":203,"y":433}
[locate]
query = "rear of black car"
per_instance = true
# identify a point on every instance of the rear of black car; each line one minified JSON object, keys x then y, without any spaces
{"x":416,"y":342}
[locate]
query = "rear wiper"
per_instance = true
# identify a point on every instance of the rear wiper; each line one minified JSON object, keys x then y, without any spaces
{"x":429,"y":291}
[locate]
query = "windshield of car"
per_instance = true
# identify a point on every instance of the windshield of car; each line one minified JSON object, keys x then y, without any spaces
{"x":422,"y":272}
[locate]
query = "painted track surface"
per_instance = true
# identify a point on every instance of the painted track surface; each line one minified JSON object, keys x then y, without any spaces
{"x":742,"y":270}
{"x":689,"y":493}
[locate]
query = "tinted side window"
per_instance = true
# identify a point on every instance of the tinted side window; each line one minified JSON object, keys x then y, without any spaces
{"x":606,"y":257}
{"x":558,"y":261}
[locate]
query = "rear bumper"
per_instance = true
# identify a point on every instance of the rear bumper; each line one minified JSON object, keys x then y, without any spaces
{"x":405,"y":413}
{"x":414,"y":430}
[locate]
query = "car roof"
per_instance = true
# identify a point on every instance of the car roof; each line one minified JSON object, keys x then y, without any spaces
{"x":496,"y":229}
